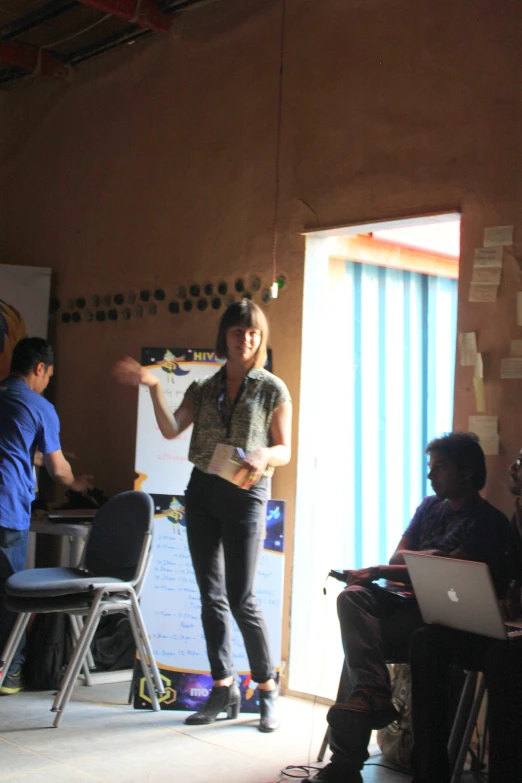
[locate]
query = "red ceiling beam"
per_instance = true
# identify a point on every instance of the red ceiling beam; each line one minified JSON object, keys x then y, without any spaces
{"x":38,"y":62}
{"x":141,"y":12}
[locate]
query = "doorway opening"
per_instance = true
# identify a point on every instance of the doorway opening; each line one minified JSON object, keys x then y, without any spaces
{"x":377,"y":380}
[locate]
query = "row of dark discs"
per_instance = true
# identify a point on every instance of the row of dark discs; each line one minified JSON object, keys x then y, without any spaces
{"x":149,"y":307}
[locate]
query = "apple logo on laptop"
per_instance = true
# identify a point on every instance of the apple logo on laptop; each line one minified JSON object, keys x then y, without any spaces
{"x":453,"y":596}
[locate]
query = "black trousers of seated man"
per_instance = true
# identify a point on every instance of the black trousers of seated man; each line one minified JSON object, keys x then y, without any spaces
{"x":376,"y":627}
{"x":433,"y":651}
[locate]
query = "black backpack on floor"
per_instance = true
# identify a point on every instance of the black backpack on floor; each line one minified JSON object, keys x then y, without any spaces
{"x":113,"y":646}
{"x":48,"y":651}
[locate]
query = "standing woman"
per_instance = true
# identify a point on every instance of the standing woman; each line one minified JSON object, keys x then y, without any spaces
{"x":245,"y":406}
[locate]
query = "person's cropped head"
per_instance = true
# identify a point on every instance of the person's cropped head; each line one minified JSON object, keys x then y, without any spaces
{"x":243,"y":334}
{"x":456,"y":464}
{"x":33,"y":359}
{"x":515,"y":476}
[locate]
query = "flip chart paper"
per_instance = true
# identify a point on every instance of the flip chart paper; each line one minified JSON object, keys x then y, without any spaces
{"x":488,"y":256}
{"x":498,"y":235}
{"x":511,"y":368}
{"x":516,"y":348}
{"x":478,"y":386}
{"x":468,"y":349}
{"x":519,"y":308}
{"x":483,"y":292}
{"x":483,"y":425}
{"x":487,"y":274}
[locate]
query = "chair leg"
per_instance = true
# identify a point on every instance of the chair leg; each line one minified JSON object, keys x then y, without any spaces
{"x":468,"y":732}
{"x":132,"y":686}
{"x":75,"y":632}
{"x":146,"y":643}
{"x":143,"y":661}
{"x":63,"y":697}
{"x":89,"y":658}
{"x":460,"y":721}
{"x":78,"y":655}
{"x":86,"y":674}
{"x":77,"y":658}
{"x":12,"y":643}
{"x":324,"y":745}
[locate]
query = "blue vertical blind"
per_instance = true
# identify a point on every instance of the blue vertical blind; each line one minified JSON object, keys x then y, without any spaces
{"x":377,"y":370}
{"x":401,"y":343}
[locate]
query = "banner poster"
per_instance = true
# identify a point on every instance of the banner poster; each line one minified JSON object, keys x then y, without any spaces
{"x":24,"y":307}
{"x":170,"y":598}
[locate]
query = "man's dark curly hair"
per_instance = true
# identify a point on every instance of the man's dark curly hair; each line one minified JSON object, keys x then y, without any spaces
{"x":465,"y":451}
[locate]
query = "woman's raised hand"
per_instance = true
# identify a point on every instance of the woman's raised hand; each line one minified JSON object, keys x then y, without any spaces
{"x":130,"y":372}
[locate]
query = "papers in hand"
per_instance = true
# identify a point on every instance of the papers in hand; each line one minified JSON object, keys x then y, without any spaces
{"x":226,"y":462}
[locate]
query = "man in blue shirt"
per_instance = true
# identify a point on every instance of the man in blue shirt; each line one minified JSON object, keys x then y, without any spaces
{"x":377,"y":624}
{"x":27,"y":422}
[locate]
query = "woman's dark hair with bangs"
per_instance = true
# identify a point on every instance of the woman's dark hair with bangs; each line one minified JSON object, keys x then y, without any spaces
{"x":465,"y":451}
{"x":243,"y":313}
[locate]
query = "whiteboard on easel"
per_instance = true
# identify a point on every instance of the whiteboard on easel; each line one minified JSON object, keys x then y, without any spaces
{"x":162,"y":465}
{"x":170,"y":597}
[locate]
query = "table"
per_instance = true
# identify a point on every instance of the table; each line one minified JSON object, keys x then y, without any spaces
{"x":72,"y":525}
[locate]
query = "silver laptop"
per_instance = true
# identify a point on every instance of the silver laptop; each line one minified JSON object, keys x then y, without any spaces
{"x":458,"y":594}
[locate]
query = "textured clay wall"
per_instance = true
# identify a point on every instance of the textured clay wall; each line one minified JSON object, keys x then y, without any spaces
{"x":155,"y":167}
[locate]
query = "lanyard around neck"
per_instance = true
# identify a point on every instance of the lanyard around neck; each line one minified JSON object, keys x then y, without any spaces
{"x":222,"y":400}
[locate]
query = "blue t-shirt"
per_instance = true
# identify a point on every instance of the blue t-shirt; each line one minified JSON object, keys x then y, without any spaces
{"x":27,"y":420}
{"x":479,"y":530}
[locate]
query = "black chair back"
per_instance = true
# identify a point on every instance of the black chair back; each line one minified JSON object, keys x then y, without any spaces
{"x":116,"y":543}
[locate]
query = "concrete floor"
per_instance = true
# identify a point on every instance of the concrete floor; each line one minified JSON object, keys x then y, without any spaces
{"x":103,"y":739}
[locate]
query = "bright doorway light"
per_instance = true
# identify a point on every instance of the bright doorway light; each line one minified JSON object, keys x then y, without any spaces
{"x":378,"y":353}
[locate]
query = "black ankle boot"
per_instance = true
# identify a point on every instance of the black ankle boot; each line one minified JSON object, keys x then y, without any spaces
{"x":268,"y":710}
{"x":223,"y":698}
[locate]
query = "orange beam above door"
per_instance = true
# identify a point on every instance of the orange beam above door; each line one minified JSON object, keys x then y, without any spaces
{"x":372,"y":251}
{"x":141,"y":12}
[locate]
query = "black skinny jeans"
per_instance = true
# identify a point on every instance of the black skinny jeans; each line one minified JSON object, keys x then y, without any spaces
{"x":226,"y":527}
{"x":433,"y":651}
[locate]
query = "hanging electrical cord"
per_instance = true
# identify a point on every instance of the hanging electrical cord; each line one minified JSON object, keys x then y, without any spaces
{"x":275,"y":236}
{"x":37,"y":69}
{"x":77,"y":33}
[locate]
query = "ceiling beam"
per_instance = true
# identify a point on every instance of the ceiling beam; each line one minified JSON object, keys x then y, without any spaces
{"x":106,"y":45}
{"x":38,"y":62}
{"x":40,"y":15}
{"x":144,"y":13}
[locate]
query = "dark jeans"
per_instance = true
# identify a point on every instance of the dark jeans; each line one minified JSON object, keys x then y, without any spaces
{"x":13,"y":551}
{"x":433,"y":651}
{"x":376,"y":627}
{"x":226,"y":527}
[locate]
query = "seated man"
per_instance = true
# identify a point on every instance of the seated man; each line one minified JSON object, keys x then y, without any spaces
{"x":376,"y":624}
{"x":434,"y":649}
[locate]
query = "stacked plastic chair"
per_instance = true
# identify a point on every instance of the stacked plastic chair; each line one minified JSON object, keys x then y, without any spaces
{"x":116,"y":559}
